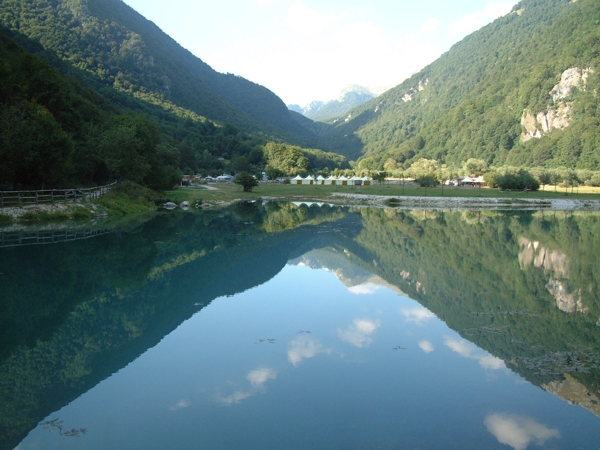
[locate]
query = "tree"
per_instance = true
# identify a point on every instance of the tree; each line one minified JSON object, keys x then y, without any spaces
{"x":491,"y":179}
{"x":272,"y":172}
{"x":247,"y":181}
{"x":475,"y":166}
{"x":545,"y":178}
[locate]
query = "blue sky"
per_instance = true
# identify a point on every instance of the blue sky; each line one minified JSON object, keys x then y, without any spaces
{"x":306,"y":50}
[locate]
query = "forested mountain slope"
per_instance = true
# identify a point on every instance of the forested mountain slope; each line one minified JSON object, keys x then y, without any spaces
{"x":61,"y":126}
{"x":520,"y":91}
{"x":109,"y":40}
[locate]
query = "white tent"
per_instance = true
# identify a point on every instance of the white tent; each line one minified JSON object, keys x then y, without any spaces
{"x":367,"y":181}
{"x":308,"y":180}
{"x":320,"y":179}
{"x":343,"y":180}
{"x":297,"y":180}
{"x":356,"y":181}
{"x":331,"y":180}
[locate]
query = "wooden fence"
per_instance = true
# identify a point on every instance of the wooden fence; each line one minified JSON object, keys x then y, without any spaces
{"x":20,"y":238}
{"x":17,"y":198}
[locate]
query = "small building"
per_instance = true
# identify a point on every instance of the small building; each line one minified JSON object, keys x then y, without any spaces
{"x":320,"y":180}
{"x":343,"y":180}
{"x":297,"y":180}
{"x":330,"y":180}
{"x":367,"y":181}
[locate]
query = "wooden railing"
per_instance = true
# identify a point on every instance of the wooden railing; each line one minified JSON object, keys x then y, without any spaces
{"x":20,"y":238}
{"x":17,"y":198}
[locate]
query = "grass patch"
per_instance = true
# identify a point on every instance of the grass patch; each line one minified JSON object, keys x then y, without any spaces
{"x":43,"y":216}
{"x":128,"y":198}
{"x":5,"y":218}
{"x":81,"y":213}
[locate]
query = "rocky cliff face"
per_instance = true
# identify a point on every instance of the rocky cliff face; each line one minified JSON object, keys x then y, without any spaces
{"x":575,"y":393}
{"x":558,"y":114}
{"x":556,"y":264}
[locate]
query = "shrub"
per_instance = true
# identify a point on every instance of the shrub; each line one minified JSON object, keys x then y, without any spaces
{"x":517,"y":181}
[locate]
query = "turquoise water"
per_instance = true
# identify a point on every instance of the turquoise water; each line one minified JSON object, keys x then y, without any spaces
{"x":336,"y":331}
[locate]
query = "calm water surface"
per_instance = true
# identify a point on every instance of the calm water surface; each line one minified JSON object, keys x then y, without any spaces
{"x":285,"y":326}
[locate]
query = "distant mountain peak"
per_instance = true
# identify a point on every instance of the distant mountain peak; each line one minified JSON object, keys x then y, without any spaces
{"x":350,"y":97}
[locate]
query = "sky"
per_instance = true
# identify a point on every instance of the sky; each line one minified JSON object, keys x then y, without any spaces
{"x":305,"y":50}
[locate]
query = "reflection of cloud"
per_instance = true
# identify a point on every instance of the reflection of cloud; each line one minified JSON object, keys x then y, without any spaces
{"x":518,"y":431}
{"x":359,"y":333}
{"x":473,"y":22}
{"x":259,"y":377}
{"x":304,"y":347}
{"x":364,"y":289}
{"x":235,"y":398}
{"x":417,"y":315}
{"x":468,"y":350}
{"x":430,"y":25}
{"x":426,"y":346}
{"x":181,"y":405}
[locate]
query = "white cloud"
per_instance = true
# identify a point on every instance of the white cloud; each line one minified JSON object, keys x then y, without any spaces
{"x":473,"y":22}
{"x":365,"y":289}
{"x":359,"y":333}
{"x":418,"y":315}
{"x":518,"y":431}
{"x":259,"y":377}
{"x":304,"y":347}
{"x":426,"y":346}
{"x":468,"y":350}
{"x":430,"y":25}
{"x":309,"y":22}
{"x":181,"y":405}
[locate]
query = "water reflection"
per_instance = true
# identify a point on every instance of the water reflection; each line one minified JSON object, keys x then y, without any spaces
{"x":519,"y":432}
{"x":510,"y":293}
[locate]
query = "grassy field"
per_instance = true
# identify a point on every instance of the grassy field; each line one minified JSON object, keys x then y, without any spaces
{"x":226,"y":192}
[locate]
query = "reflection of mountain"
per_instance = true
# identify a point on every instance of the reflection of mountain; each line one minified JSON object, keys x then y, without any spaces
{"x":126,"y":291}
{"x":356,"y":278}
{"x":93,"y":306}
{"x":473,"y":271}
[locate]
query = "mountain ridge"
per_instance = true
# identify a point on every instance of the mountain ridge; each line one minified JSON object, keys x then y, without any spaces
{"x":470,"y":102}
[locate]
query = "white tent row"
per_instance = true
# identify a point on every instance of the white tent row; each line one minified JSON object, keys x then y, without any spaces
{"x":331,"y":180}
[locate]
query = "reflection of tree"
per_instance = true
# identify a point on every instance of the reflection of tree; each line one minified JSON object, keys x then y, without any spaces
{"x":62,"y":431}
{"x":113,"y":297}
{"x":467,"y":271}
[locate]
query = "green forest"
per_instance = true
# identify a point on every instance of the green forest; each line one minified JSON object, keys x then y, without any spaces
{"x":470,"y":103}
{"x":85,"y":105}
{"x":92,"y":92}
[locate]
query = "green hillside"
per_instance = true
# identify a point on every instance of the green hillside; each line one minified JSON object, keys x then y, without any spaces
{"x":61,"y":126}
{"x":109,"y":40}
{"x":488,"y":95}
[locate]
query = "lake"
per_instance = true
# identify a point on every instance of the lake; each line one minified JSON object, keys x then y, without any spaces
{"x":293,"y":326}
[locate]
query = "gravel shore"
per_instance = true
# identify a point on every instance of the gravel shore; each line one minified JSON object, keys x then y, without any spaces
{"x":467,"y":202}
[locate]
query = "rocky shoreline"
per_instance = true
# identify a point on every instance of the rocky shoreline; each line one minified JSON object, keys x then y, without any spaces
{"x":466,"y":202}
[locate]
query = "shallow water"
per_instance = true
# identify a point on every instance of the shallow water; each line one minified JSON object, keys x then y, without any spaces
{"x":284,"y":326}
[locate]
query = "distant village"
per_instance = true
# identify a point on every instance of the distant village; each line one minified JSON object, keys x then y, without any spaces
{"x":330,"y":180}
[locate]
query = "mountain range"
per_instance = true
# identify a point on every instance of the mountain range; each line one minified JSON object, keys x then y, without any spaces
{"x":521,"y":91}
{"x":351,"y":97}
